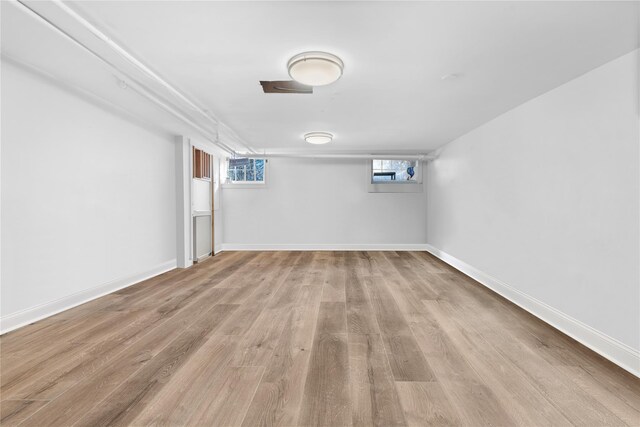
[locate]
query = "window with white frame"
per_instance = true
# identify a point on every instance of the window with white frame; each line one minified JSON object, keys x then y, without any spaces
{"x":393,"y":171}
{"x":246,"y":171}
{"x":394,"y":176}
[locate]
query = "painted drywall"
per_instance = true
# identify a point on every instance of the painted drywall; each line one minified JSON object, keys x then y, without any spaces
{"x":217,"y":203}
{"x":545,"y":198}
{"x":313,"y":203}
{"x":88,"y":198}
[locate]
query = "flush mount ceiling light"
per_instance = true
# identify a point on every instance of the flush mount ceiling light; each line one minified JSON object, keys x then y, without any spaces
{"x":315,"y":68}
{"x":318,"y":137}
{"x":451,"y":76}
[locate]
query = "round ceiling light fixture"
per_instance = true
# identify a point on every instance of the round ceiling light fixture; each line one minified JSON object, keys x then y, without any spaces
{"x":315,"y":68}
{"x":318,"y":137}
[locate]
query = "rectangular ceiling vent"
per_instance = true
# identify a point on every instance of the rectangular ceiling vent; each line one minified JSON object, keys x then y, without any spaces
{"x":285,"y":86}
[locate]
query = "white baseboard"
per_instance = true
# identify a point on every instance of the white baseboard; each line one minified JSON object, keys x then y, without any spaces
{"x":324,"y":247}
{"x":24,"y":317}
{"x":217,"y":248}
{"x":619,"y":353}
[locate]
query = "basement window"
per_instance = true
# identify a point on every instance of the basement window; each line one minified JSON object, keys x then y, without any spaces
{"x":394,"y":176}
{"x":246,"y":172}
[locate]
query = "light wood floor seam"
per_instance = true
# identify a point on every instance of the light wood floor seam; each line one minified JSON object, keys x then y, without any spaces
{"x":322,"y":338}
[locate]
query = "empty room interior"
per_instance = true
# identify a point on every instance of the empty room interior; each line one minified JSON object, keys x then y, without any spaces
{"x":320,"y":213}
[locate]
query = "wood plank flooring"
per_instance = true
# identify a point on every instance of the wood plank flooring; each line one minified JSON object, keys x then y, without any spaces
{"x":307,"y":339}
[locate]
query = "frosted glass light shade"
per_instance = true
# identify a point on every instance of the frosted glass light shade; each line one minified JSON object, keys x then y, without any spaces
{"x":315,"y":68}
{"x":318,"y":137}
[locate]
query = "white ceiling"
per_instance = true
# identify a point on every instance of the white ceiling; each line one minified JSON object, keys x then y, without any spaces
{"x":391,"y":96}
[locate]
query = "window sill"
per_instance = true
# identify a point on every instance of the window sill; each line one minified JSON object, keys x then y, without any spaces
{"x":395,"y":187}
{"x":243,"y":186}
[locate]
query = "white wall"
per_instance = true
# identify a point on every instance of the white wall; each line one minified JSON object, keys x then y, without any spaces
{"x":545,"y":198}
{"x":88,"y":199}
{"x":217,"y":204}
{"x":320,"y":203}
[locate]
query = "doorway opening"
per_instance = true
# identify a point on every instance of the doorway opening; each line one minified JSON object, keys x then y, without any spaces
{"x":202,"y":214}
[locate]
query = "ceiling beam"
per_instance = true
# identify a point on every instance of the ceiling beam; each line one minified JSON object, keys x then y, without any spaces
{"x":338,"y":156}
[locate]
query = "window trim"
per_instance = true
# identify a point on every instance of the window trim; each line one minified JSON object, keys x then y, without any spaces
{"x":244,"y":184}
{"x":397,"y":186}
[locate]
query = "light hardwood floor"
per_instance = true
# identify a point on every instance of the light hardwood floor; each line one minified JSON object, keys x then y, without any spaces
{"x":307,"y":338}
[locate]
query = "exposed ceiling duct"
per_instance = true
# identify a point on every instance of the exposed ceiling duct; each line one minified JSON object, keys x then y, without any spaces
{"x":130,"y":82}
